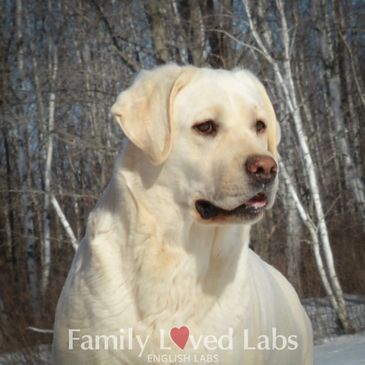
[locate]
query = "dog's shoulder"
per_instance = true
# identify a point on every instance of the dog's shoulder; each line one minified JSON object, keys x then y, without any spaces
{"x":272,"y":287}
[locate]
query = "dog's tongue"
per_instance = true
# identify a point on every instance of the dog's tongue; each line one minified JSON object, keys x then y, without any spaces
{"x":258,"y":201}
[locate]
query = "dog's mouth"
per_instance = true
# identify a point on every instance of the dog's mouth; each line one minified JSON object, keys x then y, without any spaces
{"x":250,"y":209}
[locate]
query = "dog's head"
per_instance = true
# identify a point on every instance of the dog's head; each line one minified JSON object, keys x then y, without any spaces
{"x":210,"y":134}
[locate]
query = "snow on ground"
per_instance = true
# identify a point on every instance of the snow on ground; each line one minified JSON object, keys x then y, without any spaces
{"x":342,"y":350}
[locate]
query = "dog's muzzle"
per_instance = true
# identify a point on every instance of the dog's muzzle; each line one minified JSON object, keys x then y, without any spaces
{"x":249,"y":209}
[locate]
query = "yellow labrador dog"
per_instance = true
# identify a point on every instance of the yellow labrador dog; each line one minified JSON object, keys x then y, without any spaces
{"x":164,"y":274}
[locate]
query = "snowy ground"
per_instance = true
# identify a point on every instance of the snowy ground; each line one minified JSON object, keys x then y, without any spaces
{"x":343,"y":350}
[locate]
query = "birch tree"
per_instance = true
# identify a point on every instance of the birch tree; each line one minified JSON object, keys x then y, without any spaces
{"x":62,"y":63}
{"x":315,"y":242}
{"x":332,"y":77}
{"x":286,"y":81}
{"x":46,"y":244}
{"x":24,"y":167}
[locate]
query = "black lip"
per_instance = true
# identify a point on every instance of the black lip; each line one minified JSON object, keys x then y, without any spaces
{"x":208,"y":210}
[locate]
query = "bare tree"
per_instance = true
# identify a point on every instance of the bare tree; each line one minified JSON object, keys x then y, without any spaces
{"x":285,"y":77}
{"x":332,"y":73}
{"x":24,"y":165}
{"x":62,"y":65}
{"x":46,"y":249}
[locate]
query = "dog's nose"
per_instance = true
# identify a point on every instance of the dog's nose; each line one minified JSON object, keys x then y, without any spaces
{"x":262,"y":169}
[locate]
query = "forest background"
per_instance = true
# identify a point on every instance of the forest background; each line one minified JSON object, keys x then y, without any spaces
{"x":62,"y":64}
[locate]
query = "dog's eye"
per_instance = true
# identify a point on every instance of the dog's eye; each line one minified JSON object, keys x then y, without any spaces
{"x":260,"y":127}
{"x":208,"y":128}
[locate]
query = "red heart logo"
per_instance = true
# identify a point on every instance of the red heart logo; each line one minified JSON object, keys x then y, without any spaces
{"x":180,"y":336}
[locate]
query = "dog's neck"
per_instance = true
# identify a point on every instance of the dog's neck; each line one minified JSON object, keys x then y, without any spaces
{"x":179,"y":228}
{"x":171,"y":246}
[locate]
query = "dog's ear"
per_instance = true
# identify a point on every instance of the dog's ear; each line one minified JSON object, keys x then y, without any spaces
{"x":144,"y":111}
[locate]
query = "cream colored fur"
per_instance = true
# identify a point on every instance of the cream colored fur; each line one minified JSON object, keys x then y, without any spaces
{"x":148,"y":262}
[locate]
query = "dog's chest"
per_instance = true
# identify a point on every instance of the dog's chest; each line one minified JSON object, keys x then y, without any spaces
{"x":184,"y":291}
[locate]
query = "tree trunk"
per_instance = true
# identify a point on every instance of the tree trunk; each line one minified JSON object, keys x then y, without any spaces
{"x":46,"y":244}
{"x":310,"y":168}
{"x":10,"y":223}
{"x":156,"y":12}
{"x":307,"y":220}
{"x":332,"y":77}
{"x":286,"y":81}
{"x":293,"y":235}
{"x":24,"y":172}
{"x":64,"y":222}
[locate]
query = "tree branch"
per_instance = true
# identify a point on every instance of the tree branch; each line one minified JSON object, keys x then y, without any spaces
{"x":131,"y":63}
{"x":64,"y":222}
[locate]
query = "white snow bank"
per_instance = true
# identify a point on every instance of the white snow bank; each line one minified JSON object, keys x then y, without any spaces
{"x":343,"y":350}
